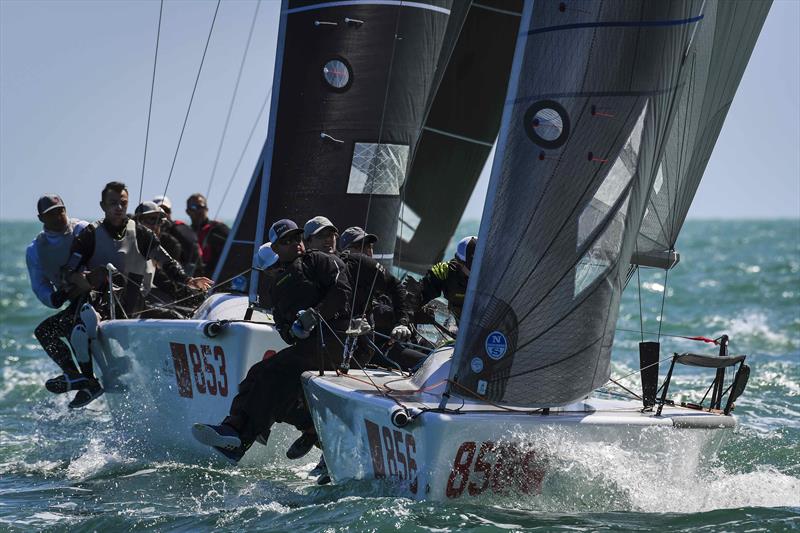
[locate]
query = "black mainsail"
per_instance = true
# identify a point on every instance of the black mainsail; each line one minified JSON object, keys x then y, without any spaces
{"x":589,"y":108}
{"x":353,"y":82}
{"x":459,"y":133}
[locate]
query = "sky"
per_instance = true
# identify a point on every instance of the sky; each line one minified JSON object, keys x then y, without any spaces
{"x":75,"y":81}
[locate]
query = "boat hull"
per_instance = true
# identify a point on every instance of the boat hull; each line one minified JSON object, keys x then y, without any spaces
{"x":161,"y":376}
{"x":477,"y":449}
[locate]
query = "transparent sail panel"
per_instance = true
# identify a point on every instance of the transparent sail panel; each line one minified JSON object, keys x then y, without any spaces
{"x":603,"y":253}
{"x":378,"y":168}
{"x":617,"y":181}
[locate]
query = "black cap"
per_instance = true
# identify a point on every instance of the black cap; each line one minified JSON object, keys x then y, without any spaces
{"x":282,"y":228}
{"x":48,"y":202}
{"x":354,"y":235}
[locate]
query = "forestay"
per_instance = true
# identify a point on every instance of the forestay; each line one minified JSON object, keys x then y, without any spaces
{"x":589,"y":105}
{"x":714,"y":67}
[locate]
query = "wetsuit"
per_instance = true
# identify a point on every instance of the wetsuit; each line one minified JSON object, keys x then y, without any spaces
{"x":448,"y":279}
{"x":45,"y":256}
{"x":130,"y":249}
{"x":211,"y":237}
{"x":272,"y":387}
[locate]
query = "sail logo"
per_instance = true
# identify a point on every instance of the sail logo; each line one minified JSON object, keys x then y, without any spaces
{"x":476,"y":365}
{"x":496,"y":345}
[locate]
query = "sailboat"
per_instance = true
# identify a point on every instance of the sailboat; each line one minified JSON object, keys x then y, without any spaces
{"x":383,"y":115}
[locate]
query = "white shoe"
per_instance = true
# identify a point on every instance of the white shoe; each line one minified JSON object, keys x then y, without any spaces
{"x":90,"y":319}
{"x":80,"y":343}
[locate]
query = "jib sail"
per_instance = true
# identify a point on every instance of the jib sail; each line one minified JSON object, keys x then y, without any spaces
{"x":587,"y":113}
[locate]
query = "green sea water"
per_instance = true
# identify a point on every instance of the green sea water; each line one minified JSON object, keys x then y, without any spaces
{"x":75,"y":471}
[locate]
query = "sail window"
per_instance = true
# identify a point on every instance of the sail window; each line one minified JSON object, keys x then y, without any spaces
{"x":409,"y":221}
{"x":614,"y":183}
{"x":603,"y":253}
{"x":546,"y":124}
{"x":378,"y":168}
{"x":337,"y":74}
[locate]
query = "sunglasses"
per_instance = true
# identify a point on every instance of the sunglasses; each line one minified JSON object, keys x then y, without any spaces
{"x":291,"y":239}
{"x":196,"y":207}
{"x":150,"y":220}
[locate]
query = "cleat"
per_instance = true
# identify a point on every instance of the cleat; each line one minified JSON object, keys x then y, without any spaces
{"x":87,"y":395}
{"x":301,"y":446}
{"x":223,"y":437}
{"x":79,"y":340}
{"x":90,"y":319}
{"x":66,"y":382}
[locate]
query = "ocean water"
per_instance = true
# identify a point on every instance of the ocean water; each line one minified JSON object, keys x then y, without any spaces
{"x":74,"y":471}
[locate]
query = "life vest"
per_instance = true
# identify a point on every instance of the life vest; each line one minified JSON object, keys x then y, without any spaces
{"x":122,"y":253}
{"x":54,"y":254}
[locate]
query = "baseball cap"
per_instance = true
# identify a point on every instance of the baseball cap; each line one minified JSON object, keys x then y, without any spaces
{"x":317,"y":224}
{"x":162,"y":200}
{"x":48,"y":202}
{"x":354,"y":235}
{"x":265,"y":257}
{"x":282,"y":228}
{"x":466,"y":248}
{"x":146,"y":208}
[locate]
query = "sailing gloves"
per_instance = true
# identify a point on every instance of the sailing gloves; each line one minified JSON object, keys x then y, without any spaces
{"x":401,"y":333}
{"x":305,"y":323}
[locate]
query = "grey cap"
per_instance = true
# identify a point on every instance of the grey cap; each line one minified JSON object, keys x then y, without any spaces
{"x":317,"y":224}
{"x":48,"y":202}
{"x":147,"y":208}
{"x":354,"y":235}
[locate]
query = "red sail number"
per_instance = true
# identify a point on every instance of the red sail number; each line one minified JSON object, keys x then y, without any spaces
{"x":205,"y":366}
{"x":499,"y":467}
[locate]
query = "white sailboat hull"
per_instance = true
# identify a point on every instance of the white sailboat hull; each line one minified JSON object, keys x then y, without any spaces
{"x":475,"y":448}
{"x":161,"y":376}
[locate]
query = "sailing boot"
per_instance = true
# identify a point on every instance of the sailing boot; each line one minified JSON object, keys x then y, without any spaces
{"x":223,"y":438}
{"x":66,"y":382}
{"x":302,"y":445}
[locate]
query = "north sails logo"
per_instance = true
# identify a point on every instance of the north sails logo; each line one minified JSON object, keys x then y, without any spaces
{"x":496,"y":345}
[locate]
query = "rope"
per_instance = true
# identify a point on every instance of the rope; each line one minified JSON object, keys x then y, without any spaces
{"x":191,"y":98}
{"x":702,"y":339}
{"x":150,"y":106}
{"x":233,"y":99}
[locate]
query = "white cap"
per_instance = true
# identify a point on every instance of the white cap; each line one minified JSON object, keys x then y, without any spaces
{"x":265,"y":257}
{"x":163,"y":200}
{"x":463,"y":246}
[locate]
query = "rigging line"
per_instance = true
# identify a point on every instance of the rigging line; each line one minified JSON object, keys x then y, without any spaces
{"x":233,"y":100}
{"x":150,"y":105}
{"x":626,"y":389}
{"x":626,"y":376}
{"x":244,"y":150}
{"x":380,"y":137}
{"x":191,"y":98}
{"x":663,"y":299}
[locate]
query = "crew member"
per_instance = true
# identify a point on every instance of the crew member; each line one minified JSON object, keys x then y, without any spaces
{"x":379,"y":295}
{"x":319,"y":233}
{"x":310,"y":292}
{"x":127,"y":246}
{"x":450,"y":279}
{"x":211,"y":234}
{"x":45,"y":257}
{"x":190,"y":251}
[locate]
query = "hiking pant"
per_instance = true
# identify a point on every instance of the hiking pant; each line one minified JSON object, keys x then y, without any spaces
{"x":51,"y":332}
{"x":272,"y":388}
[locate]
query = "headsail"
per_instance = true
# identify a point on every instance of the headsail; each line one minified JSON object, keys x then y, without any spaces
{"x":588,"y":109}
{"x":715,"y":64}
{"x":459,"y":133}
{"x":352,"y":84}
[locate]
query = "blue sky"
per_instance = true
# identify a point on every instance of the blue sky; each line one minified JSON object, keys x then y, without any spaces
{"x":75,"y":85}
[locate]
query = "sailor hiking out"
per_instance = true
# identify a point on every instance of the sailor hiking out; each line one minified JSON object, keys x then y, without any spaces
{"x":310,"y":292}
{"x":130,"y":249}
{"x":45,"y":257}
